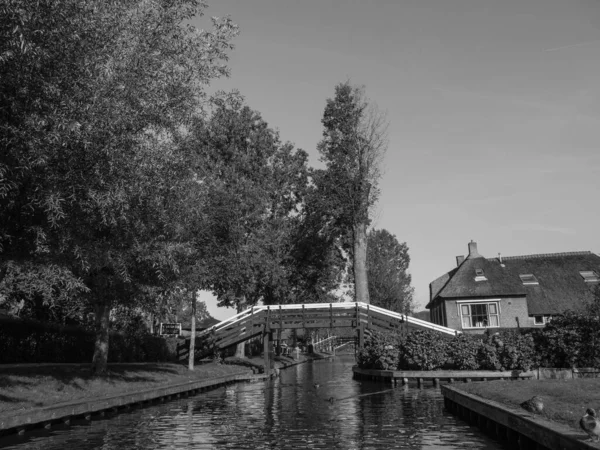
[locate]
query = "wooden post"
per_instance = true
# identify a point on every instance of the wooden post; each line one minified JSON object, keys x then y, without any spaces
{"x":266,"y":349}
{"x":278,"y":350}
{"x":193,"y":334}
{"x":361,"y":336}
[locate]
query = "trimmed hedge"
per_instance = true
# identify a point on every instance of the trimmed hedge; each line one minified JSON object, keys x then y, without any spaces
{"x":28,"y":341}
{"x":570,"y":340}
{"x":428,"y":350}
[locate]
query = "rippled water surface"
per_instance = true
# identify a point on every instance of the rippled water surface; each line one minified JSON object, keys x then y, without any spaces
{"x":288,"y":412}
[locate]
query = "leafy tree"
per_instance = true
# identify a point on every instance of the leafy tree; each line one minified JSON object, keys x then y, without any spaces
{"x":353,"y":145}
{"x":254,"y":188}
{"x":318,"y":255}
{"x":387,"y":263}
{"x":94,"y":97}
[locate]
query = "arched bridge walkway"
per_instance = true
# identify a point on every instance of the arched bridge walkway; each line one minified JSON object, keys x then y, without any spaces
{"x":266,"y":319}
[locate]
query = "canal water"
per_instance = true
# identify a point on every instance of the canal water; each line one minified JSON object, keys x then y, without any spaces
{"x":311,"y":405}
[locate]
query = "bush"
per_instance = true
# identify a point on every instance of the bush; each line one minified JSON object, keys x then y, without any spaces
{"x":569,"y":340}
{"x":516,"y":351}
{"x":462,"y":350}
{"x":380,"y":351}
{"x":28,"y":341}
{"x":423,"y":350}
{"x":428,"y":350}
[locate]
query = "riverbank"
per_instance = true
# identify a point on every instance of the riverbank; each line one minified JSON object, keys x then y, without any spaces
{"x":26,"y":387}
{"x":565,"y":401}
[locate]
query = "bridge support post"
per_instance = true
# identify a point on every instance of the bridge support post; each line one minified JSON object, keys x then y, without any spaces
{"x":268,"y":351}
{"x":361,"y":336}
{"x":278,"y":349}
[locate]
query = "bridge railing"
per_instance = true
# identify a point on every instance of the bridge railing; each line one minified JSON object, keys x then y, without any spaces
{"x":257,"y":312}
{"x":411,"y":320}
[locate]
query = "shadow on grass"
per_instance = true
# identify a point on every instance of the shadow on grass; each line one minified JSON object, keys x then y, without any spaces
{"x":30,"y":376}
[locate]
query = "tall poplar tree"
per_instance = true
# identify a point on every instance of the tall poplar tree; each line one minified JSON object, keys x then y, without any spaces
{"x":353,"y":145}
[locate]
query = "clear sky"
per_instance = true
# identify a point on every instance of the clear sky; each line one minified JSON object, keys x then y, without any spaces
{"x":493,"y":106}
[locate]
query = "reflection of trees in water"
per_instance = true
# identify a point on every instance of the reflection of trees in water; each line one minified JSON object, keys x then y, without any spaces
{"x":287,"y":412}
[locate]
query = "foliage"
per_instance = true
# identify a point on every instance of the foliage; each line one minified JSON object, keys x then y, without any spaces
{"x":569,"y":340}
{"x":423,"y":350}
{"x":254,"y":188}
{"x":515,"y":350}
{"x":28,"y":341}
{"x":380,"y":351}
{"x":429,"y":350}
{"x":43,"y":292}
{"x":93,"y":109}
{"x":354,"y":142}
{"x":463,"y":350}
{"x":387,"y":265}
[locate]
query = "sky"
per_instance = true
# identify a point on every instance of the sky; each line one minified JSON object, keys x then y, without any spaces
{"x":493,"y":107}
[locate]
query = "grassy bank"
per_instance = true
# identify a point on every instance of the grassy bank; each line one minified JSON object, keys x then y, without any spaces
{"x":30,"y":387}
{"x":565,"y":401}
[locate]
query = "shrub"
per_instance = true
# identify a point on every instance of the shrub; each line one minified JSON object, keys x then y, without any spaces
{"x":380,"y":351}
{"x":423,"y":350}
{"x":462,"y":350}
{"x":516,"y":351}
{"x":28,"y":341}
{"x":569,"y":340}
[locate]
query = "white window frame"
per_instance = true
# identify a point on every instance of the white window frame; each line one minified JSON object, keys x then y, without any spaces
{"x":535,"y":322}
{"x":469,"y":303}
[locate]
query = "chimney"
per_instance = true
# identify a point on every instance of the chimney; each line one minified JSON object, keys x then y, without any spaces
{"x":459,"y":260}
{"x":473,"y":250}
{"x":500,"y":259}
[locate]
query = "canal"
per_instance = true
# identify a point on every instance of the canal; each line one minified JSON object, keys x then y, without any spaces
{"x":312,"y":405}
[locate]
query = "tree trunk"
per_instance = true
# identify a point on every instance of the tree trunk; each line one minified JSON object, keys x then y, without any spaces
{"x":361,"y":284}
{"x":193,"y":335}
{"x":240,"y":349}
{"x":100,"y":359}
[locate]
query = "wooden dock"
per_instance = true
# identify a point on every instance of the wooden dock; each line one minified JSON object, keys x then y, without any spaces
{"x":436,"y":376}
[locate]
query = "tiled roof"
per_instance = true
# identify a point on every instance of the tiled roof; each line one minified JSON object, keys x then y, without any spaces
{"x":561,"y":287}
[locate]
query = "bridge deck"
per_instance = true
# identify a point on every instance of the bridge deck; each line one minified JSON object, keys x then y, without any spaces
{"x":259,"y":319}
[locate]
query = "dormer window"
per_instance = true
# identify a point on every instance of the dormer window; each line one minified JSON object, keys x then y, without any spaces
{"x":528,"y":279}
{"x":589,"y":276}
{"x":479,"y":275}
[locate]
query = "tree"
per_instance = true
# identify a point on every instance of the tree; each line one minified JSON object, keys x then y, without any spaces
{"x":389,"y":282}
{"x":254,"y":186}
{"x":94,"y":99}
{"x":353,"y":145}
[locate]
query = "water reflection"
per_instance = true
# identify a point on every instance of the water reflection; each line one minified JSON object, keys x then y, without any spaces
{"x":286,"y":413}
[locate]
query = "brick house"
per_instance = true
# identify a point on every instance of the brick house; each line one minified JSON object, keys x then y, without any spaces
{"x":511,"y":292}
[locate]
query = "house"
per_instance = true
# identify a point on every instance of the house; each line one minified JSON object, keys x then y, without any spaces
{"x":512,"y":292}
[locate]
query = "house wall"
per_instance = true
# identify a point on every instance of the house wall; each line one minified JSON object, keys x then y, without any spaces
{"x":510,"y":309}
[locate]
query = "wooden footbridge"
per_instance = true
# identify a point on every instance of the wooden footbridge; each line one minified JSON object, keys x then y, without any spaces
{"x":264,"y":320}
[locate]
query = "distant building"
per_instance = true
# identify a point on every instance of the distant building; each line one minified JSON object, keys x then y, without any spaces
{"x":511,"y":292}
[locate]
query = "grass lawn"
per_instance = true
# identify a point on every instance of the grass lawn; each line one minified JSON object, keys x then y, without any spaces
{"x":565,"y":401}
{"x":38,"y":386}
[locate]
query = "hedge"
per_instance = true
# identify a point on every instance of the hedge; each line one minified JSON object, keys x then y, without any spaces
{"x":28,"y":341}
{"x":570,"y":340}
